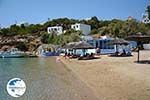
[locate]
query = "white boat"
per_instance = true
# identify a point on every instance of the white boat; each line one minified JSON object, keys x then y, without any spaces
{"x":13,"y":53}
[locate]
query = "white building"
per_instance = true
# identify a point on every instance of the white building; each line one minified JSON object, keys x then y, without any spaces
{"x":86,"y":29}
{"x":56,"y":29}
{"x":145,"y":18}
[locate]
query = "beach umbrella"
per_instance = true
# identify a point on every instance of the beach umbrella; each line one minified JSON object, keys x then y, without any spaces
{"x":118,"y":42}
{"x":78,"y":45}
{"x":69,"y":45}
{"x":139,"y":38}
{"x":83,"y":45}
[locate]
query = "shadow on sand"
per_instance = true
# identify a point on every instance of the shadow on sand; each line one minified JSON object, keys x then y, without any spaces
{"x":143,"y":62}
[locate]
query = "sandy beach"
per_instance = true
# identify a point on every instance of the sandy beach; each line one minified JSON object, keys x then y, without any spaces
{"x":114,"y":78}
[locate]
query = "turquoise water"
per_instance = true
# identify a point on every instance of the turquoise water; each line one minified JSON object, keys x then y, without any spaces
{"x":45,"y":80}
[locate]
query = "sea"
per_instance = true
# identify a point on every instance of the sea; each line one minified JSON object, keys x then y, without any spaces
{"x":45,"y":79}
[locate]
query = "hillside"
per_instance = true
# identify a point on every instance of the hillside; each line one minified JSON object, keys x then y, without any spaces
{"x":114,"y":28}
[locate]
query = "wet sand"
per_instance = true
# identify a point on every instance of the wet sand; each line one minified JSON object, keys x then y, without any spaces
{"x":114,"y":78}
{"x":45,"y":80}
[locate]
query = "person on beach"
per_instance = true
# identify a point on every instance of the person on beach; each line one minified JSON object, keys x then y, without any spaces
{"x":98,"y":51}
{"x":58,"y":60}
{"x":65,"y":55}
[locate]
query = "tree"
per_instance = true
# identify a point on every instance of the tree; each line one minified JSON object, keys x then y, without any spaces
{"x":75,"y":37}
{"x":69,"y":31}
{"x":94,"y":31}
{"x":131,"y":26}
{"x":51,"y":37}
{"x":14,"y":29}
{"x":44,"y":38}
{"x":4,"y":32}
{"x":104,"y":23}
{"x":141,"y":27}
{"x":104,"y":30}
{"x":148,"y":10}
{"x":94,"y":22}
{"x":22,"y":46}
{"x":114,"y":28}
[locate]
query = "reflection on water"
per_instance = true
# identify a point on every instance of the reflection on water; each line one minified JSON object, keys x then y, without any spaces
{"x":45,"y":79}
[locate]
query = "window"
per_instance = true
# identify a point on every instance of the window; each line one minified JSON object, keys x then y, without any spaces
{"x":55,"y":29}
{"x":77,"y":26}
{"x":105,"y":45}
{"x":110,"y":46}
{"x":101,"y":45}
{"x":96,"y":44}
{"x":74,"y":27}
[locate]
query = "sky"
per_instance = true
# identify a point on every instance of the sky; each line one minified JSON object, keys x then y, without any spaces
{"x":38,"y":11}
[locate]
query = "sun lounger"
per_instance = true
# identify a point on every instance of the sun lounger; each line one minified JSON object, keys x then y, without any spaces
{"x":87,"y":57}
{"x":121,"y":55}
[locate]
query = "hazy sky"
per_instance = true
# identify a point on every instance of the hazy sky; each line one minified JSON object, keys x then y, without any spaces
{"x":38,"y":11}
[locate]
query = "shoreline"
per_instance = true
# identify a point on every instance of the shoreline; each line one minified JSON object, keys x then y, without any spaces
{"x":82,"y":86}
{"x":44,"y":74}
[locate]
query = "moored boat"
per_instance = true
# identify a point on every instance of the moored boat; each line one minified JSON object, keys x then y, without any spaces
{"x":12,"y":53}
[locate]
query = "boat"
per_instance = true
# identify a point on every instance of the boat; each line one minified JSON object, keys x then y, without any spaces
{"x":12,"y":53}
